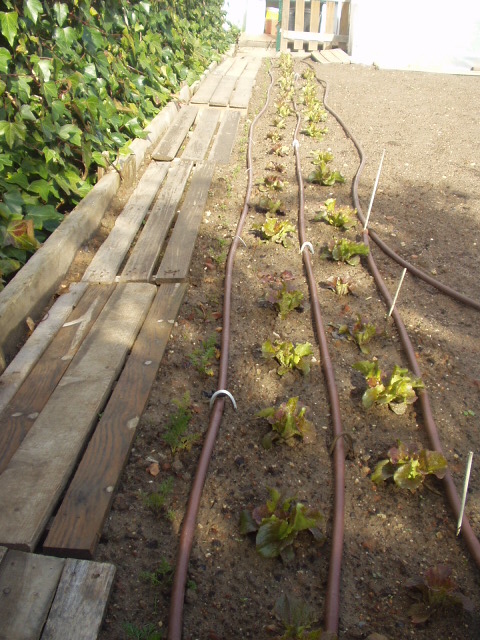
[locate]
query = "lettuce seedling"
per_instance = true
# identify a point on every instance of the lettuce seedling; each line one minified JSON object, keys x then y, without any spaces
{"x":316,"y":131}
{"x":359,"y":332}
{"x":398,"y":392}
{"x":282,"y":293}
{"x":268,"y":204}
{"x":297,"y":617}
{"x":341,"y":286}
{"x":288,"y":356}
{"x":315,"y":112}
{"x":283,"y":109}
{"x":323,"y":174}
{"x":408,"y":467}
{"x":437,"y":592}
{"x":340,"y":218}
{"x":276,"y":166}
{"x":274,"y":230}
{"x":277,"y":524}
{"x":274,"y":136}
{"x":271,"y":183}
{"x":280,"y":150}
{"x":345,"y":251}
{"x":287,"y":422}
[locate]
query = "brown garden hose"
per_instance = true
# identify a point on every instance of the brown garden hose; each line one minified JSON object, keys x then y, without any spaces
{"x":468,"y":534}
{"x":332,"y":601}
{"x":175,"y":621}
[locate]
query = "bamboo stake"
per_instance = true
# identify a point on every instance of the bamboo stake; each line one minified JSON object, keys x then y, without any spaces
{"x":398,"y":291}
{"x":465,"y":489}
{"x":374,"y":192}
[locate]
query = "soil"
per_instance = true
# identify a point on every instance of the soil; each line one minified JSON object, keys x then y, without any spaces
{"x":428,"y":209}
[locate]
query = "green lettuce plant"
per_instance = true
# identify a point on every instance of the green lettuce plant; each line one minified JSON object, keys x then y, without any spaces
{"x":268,"y":204}
{"x":345,"y":251}
{"x":341,"y":286}
{"x":288,"y":356}
{"x":359,"y":332}
{"x":341,"y":218}
{"x":323,"y":174}
{"x":297,"y":618}
{"x":278,"y":523}
{"x":398,"y":392}
{"x":408,"y":466}
{"x":274,"y":230}
{"x":288,"y":422}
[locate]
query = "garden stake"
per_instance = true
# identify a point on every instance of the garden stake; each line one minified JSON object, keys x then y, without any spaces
{"x":398,"y":291}
{"x":465,"y":489}
{"x":373,"y":192}
{"x":223,"y":392}
{"x":309,"y":245}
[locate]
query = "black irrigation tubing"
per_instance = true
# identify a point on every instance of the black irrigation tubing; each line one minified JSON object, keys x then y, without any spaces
{"x":175,"y":622}
{"x":443,"y":288}
{"x":471,"y":540}
{"x":332,"y":601}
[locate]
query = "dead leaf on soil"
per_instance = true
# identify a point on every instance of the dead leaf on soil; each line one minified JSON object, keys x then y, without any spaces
{"x":153,"y":469}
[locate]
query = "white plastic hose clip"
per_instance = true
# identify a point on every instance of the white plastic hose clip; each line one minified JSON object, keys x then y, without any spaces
{"x":222,"y":392}
{"x":309,"y":245}
{"x":296,"y":144}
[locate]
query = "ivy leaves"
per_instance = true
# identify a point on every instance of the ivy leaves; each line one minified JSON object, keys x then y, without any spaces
{"x":78,"y":80}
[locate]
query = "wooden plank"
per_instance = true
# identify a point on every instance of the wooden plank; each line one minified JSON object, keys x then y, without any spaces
{"x":244,"y":87}
{"x":319,"y":57}
{"x":21,"y":413}
{"x":330,"y":11}
{"x":227,"y":132}
{"x":314,"y":22}
{"x":211,"y":82}
{"x":78,"y":524}
{"x":176,"y":134}
{"x":177,"y":258}
{"x":344,"y":27}
{"x":315,"y":37}
{"x":221,"y":95}
{"x":3,"y":551}
{"x":144,"y":256}
{"x":299,"y":22}
{"x":330,"y":56}
{"x":40,"y":468}
{"x":202,"y":135}
{"x":285,"y":19}
{"x":27,"y":587}
{"x":80,"y":602}
{"x":32,"y":350}
{"x":106,"y":263}
{"x":343,"y":57}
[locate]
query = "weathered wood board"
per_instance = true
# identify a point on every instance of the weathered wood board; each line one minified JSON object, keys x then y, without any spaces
{"x":343,"y":57}
{"x":221,"y":95}
{"x":244,"y":87}
{"x":80,"y":601}
{"x":40,"y":468}
{"x":284,"y":26}
{"x":319,"y":57}
{"x":208,"y":86}
{"x":27,"y":587}
{"x":20,"y":367}
{"x":78,"y":524}
{"x":299,"y":22}
{"x":176,"y":261}
{"x":314,"y":22}
{"x":106,"y":263}
{"x":24,"y":408}
{"x":144,"y":256}
{"x":202,"y":135}
{"x":176,"y":134}
{"x":225,"y":139}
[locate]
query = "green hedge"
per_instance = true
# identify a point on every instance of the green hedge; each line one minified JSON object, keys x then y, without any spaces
{"x":78,"y":80}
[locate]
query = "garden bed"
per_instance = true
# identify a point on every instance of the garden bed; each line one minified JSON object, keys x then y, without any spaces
{"x":426,"y":208}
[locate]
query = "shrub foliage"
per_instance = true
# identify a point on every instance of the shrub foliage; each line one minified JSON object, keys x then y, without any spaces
{"x":78,"y":80}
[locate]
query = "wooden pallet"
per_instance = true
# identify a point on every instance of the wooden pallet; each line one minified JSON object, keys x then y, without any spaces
{"x":44,"y":598}
{"x":230,"y":84}
{"x":331,"y":56}
{"x":329,"y":25}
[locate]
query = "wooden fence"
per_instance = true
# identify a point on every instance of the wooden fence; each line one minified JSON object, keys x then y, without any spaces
{"x":318,"y":22}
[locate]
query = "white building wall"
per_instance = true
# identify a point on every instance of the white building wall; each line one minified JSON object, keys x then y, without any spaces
{"x":435,"y":35}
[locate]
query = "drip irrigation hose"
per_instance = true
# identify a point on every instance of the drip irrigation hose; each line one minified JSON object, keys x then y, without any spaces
{"x":332,"y":601}
{"x":471,"y":540}
{"x":175,"y":622}
{"x":443,"y":288}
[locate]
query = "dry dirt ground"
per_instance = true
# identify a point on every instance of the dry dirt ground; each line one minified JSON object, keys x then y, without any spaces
{"x":428,"y":209}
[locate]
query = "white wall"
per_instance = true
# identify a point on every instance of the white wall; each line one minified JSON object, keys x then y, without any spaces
{"x":247,"y":15}
{"x":436,"y":35}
